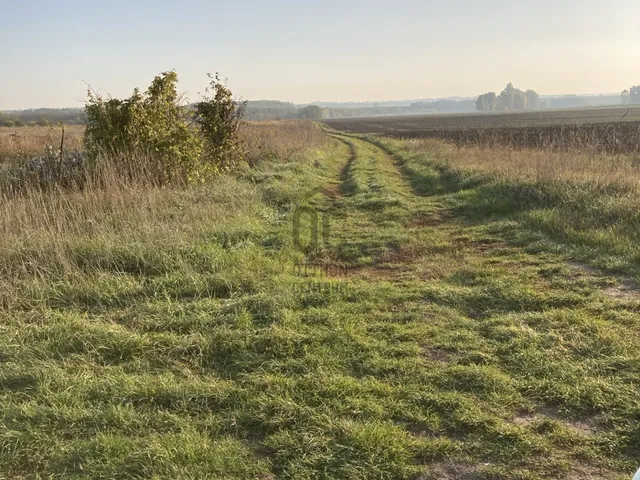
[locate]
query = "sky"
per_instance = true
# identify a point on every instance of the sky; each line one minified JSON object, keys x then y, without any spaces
{"x":329,"y":50}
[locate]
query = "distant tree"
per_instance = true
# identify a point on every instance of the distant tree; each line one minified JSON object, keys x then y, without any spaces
{"x":625,"y":97}
{"x":519,"y":100}
{"x":634,"y":94}
{"x":312,"y":112}
{"x":269,"y":110}
{"x":487,"y":102}
{"x":52,"y":116}
{"x":507,"y":97}
{"x":512,"y":98}
{"x":533,"y":99}
{"x":569,"y":101}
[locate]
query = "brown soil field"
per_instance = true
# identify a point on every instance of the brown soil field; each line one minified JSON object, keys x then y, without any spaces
{"x":612,"y":130}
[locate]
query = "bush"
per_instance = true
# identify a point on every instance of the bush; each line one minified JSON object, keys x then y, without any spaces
{"x":152,"y":126}
{"x":312,"y":112}
{"x":219,"y":117}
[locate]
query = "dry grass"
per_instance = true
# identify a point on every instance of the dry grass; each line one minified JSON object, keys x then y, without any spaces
{"x":42,"y":231}
{"x":267,"y":140}
{"x":280,"y":139}
{"x":26,"y":141}
{"x":535,"y":165}
{"x":48,"y":236}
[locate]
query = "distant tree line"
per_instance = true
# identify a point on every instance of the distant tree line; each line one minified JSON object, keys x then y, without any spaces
{"x":510,"y":98}
{"x":268,"y":110}
{"x":42,"y":117}
{"x":631,"y":96}
{"x":442,"y":106}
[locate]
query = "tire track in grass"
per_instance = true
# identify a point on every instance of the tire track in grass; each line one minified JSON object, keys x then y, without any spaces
{"x":345,"y":188}
{"x":383,"y":163}
{"x":376,"y":215}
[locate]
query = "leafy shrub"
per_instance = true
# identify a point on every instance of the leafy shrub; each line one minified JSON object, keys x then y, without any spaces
{"x":219,"y":117}
{"x":155,"y":127}
{"x":152,"y":126}
{"x":150,"y":137}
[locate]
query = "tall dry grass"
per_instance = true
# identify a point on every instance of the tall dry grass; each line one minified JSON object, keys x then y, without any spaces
{"x":22,"y":142}
{"x":535,"y":165}
{"x":115,"y":218}
{"x":280,"y":139}
{"x":262,"y":139}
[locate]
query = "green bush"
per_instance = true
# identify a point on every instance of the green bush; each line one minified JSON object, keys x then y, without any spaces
{"x":150,"y":127}
{"x":219,"y":116}
{"x":154,"y":127}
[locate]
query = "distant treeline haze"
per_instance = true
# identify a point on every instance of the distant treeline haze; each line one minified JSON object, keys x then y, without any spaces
{"x":510,"y":98}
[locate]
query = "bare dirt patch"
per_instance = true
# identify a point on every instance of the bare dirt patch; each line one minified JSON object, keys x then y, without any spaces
{"x":627,"y":289}
{"x":398,"y":264}
{"x":335,"y":190}
{"x":588,"y":472}
{"x":383,"y":272}
{"x":429,"y":219}
{"x":451,"y":471}
{"x":549,"y":413}
{"x":484,"y":247}
{"x":480,"y":246}
{"x":584,"y":267}
{"x":438,"y":354}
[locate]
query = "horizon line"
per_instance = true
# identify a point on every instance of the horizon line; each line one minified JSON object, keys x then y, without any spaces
{"x":316,"y":102}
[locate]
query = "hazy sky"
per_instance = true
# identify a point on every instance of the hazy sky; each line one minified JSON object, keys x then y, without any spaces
{"x":323,"y":50}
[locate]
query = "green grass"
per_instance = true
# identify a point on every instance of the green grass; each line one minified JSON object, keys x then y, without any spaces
{"x":459,"y":339}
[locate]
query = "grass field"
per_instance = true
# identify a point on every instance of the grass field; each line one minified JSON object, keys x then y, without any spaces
{"x":261,"y":139}
{"x":23,"y":142}
{"x":467,"y":314}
